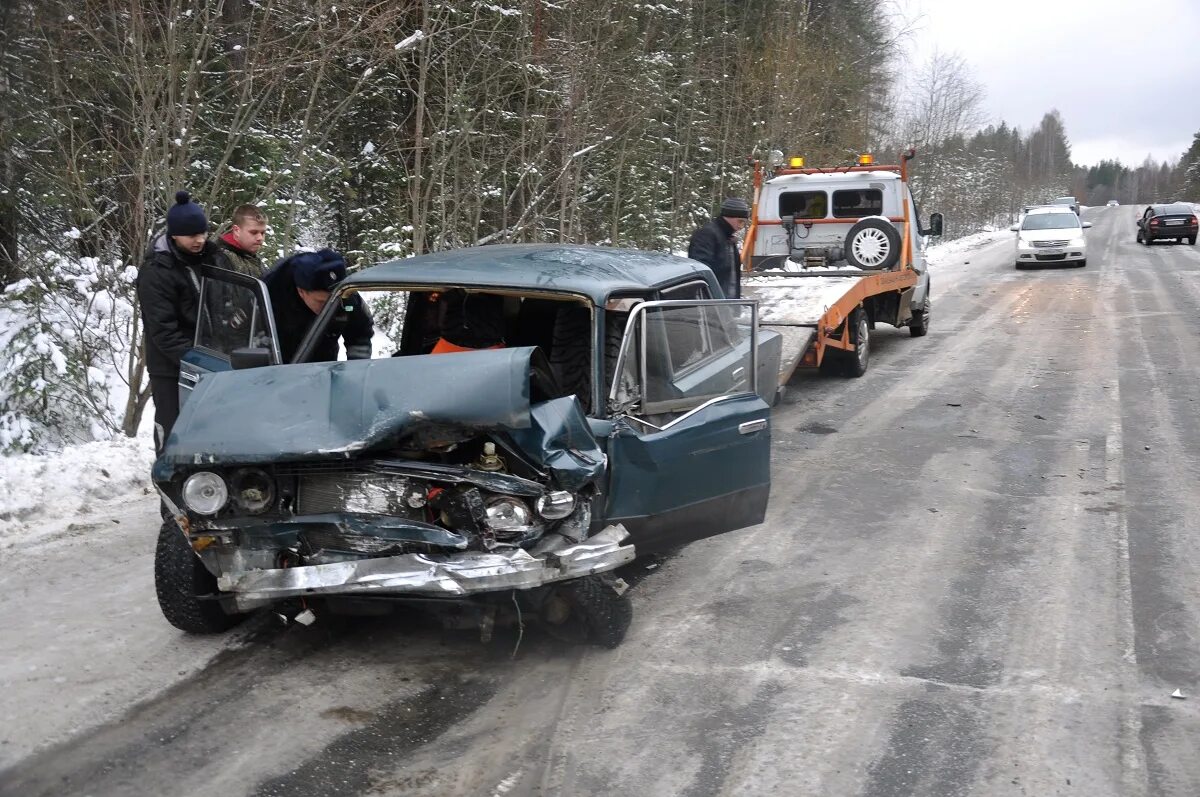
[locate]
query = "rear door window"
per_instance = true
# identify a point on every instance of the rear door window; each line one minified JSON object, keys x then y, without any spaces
{"x":858,"y":202}
{"x":804,"y":204}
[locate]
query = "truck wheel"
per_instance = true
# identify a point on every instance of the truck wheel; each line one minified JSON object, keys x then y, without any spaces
{"x":873,"y":244}
{"x":180,"y":579}
{"x":588,"y":609}
{"x":918,"y":327}
{"x":860,"y":335}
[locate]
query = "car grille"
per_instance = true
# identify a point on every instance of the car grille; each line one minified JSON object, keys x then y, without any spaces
{"x":358,"y":492}
{"x":1050,"y":257}
{"x":1050,"y":243}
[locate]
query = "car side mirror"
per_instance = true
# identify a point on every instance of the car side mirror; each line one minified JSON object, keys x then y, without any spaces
{"x":1087,"y":224}
{"x":246,"y":357}
{"x":1014,"y":228}
{"x":935,"y":223}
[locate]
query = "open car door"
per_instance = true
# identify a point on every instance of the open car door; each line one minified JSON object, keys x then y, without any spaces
{"x":690,"y":455}
{"x":235,"y":328}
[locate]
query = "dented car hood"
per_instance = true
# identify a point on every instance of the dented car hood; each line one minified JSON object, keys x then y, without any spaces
{"x":314,"y":411}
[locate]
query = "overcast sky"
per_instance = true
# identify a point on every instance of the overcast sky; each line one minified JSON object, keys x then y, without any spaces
{"x":1125,"y":76}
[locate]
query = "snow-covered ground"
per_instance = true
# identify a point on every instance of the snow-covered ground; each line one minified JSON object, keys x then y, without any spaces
{"x":43,"y":494}
{"x":944,"y":253}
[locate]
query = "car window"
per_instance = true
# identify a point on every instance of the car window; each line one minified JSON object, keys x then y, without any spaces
{"x":858,"y":202}
{"x":691,"y":353}
{"x":1050,"y":221}
{"x":1177,"y":209}
{"x":697,"y":289}
{"x":230,"y":317}
{"x":804,"y":204}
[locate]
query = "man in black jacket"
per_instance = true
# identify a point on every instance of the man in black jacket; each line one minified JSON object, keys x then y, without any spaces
{"x":300,"y":286}
{"x":168,"y":291}
{"x":714,"y":245}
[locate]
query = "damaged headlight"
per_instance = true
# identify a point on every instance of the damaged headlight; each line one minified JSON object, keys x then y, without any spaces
{"x":205,"y":493}
{"x":253,"y":490}
{"x":508,"y":514}
{"x":556,"y":505}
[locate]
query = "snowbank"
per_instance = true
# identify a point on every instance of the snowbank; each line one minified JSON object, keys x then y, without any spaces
{"x":38,"y":492}
{"x":943,"y":252}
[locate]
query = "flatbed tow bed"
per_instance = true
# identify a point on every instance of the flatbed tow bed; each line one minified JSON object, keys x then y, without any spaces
{"x":825,"y":312}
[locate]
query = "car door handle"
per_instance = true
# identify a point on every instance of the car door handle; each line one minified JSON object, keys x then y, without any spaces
{"x":750,"y":427}
{"x":193,"y":378}
{"x":738,"y":373}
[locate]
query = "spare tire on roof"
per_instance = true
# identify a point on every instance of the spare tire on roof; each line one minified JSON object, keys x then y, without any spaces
{"x":873,"y":244}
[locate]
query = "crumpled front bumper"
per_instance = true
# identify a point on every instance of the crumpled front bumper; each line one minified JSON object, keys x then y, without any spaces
{"x":455,"y":575}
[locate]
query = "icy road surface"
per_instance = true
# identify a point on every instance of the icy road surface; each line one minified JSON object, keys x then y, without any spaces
{"x":980,"y":574}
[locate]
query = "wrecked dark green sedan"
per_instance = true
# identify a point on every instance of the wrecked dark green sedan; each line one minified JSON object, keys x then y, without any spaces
{"x":624,"y":410}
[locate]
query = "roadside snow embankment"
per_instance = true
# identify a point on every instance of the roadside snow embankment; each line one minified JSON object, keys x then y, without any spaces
{"x":41,"y":492}
{"x":943,"y":253}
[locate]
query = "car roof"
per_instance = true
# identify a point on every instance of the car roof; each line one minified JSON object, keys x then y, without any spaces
{"x":1061,"y":199}
{"x":1043,"y":209}
{"x":593,"y":271}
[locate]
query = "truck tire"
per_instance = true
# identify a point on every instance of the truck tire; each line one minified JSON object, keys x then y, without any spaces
{"x":918,"y":327}
{"x":594,"y":612}
{"x":873,"y":244}
{"x":181,"y":579}
{"x":851,"y":363}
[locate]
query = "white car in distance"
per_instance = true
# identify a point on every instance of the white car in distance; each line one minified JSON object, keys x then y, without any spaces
{"x":1051,"y":235}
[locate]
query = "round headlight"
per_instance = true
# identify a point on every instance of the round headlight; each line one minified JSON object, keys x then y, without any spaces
{"x":205,"y":493}
{"x":556,"y":505}
{"x":253,"y":490}
{"x":508,"y":514}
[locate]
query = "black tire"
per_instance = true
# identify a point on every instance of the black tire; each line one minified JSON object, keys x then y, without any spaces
{"x":597,"y":614}
{"x":873,"y":244}
{"x":1138,"y":238}
{"x":180,"y":579}
{"x":851,"y":363}
{"x":918,"y":327}
{"x":1191,"y":240}
{"x":571,"y":351}
{"x":1081,"y":263}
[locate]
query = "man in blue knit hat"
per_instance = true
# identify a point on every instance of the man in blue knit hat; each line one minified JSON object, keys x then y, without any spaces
{"x":168,"y":291}
{"x":300,"y":287}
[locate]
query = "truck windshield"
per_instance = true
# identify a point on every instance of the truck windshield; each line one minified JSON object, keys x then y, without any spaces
{"x":1050,"y":221}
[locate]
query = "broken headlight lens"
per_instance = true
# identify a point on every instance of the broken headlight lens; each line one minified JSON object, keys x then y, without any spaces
{"x":556,"y":505}
{"x":253,"y":490}
{"x":508,"y":514}
{"x":205,"y":493}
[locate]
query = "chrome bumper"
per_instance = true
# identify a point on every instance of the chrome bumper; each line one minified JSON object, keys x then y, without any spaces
{"x":455,"y":575}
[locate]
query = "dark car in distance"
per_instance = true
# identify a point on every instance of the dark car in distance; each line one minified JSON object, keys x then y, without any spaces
{"x":627,"y":411}
{"x":1175,"y":221}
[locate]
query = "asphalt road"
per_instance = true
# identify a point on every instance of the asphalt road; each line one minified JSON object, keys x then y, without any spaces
{"x":979,"y":575}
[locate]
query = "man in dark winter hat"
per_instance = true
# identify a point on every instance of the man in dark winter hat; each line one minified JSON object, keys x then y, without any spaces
{"x":168,"y":291}
{"x":247,"y":231}
{"x":715,"y":246}
{"x":300,"y":287}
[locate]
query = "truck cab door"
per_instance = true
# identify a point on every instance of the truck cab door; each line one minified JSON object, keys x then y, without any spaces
{"x":235,"y":328}
{"x":689,"y":456}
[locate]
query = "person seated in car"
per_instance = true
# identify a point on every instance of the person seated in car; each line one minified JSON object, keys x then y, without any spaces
{"x":300,"y":287}
{"x":470,"y":321}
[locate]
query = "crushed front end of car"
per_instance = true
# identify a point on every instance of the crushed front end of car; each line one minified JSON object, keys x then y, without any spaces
{"x":432,"y":477}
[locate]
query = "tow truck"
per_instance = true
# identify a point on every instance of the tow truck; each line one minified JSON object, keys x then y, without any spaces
{"x":832,"y":251}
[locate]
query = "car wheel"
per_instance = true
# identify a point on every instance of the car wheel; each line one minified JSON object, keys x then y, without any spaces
{"x":873,"y":244}
{"x":1138,"y":238}
{"x":1081,"y":263}
{"x":186,"y":590}
{"x":1192,"y":240}
{"x":587,"y":610}
{"x":918,"y":327}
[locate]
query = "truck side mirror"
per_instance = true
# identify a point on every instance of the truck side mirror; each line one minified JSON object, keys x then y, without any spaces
{"x":246,"y":357}
{"x":935,"y":223}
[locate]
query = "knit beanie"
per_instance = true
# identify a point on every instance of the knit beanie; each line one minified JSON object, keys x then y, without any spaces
{"x":186,"y":217}
{"x":735,"y":208}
